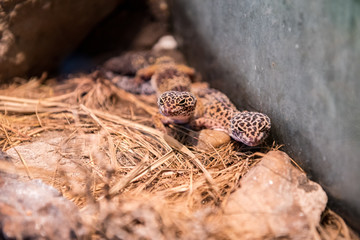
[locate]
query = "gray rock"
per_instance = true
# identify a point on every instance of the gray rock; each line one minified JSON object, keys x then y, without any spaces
{"x":54,"y":151}
{"x":34,"y":210}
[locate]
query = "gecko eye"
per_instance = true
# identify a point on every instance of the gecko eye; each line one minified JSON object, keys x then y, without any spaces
{"x":182,"y":102}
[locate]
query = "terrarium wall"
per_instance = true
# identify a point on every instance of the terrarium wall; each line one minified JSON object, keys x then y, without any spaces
{"x":298,"y":62}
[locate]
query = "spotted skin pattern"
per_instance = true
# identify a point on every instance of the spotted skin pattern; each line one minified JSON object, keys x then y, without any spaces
{"x":177,"y":105}
{"x":166,"y":75}
{"x":130,"y":62}
{"x":172,"y":84}
{"x":121,"y":70}
{"x":132,"y":70}
{"x":215,"y":111}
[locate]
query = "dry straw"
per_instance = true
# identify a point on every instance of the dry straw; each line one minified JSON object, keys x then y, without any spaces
{"x":123,"y":164}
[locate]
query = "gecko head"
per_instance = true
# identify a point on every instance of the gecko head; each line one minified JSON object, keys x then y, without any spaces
{"x":250,"y":128}
{"x":177,"y":105}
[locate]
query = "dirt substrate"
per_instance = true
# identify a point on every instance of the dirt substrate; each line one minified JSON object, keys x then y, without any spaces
{"x":94,"y":144}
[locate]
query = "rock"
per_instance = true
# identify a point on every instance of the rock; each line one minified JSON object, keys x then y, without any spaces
{"x":276,"y":200}
{"x":34,"y":210}
{"x":208,"y":138}
{"x":4,"y":156}
{"x":31,"y":30}
{"x":55,"y":151}
{"x":166,"y":42}
{"x":42,"y":153}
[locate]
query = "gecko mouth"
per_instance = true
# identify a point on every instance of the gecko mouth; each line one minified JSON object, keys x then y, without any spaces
{"x":169,"y":112}
{"x":180,"y":119}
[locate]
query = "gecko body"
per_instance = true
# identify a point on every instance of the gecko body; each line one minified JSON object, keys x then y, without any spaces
{"x":215,"y":111}
{"x":172,"y":85}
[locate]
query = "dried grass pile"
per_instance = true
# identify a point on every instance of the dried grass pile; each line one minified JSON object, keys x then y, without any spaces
{"x":128,"y":179}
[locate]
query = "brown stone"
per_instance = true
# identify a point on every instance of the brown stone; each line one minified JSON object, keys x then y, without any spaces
{"x":208,"y":138}
{"x":275,"y":200}
{"x":37,"y":34}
